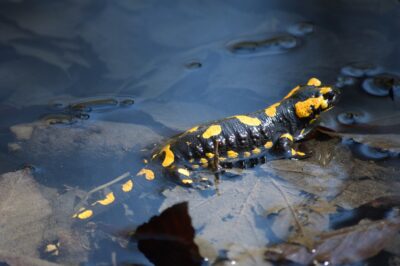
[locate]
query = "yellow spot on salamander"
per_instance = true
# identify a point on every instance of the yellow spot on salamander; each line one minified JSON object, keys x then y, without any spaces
{"x":84,"y":214}
{"x":302,"y":132}
{"x":288,"y":136}
{"x":300,"y":153}
{"x":292,"y":92}
{"x":203,"y":160}
{"x":127,"y":186}
{"x":187,"y":181}
{"x":184,"y":171}
{"x":195,"y":166}
{"x":213,"y":130}
{"x":145,"y":161}
{"x":52,"y":248}
{"x":271,"y":111}
{"x":268,"y":145}
{"x":305,"y":108}
{"x":246,"y":154}
{"x":232,"y":154}
{"x":193,"y":129}
{"x":210,"y":155}
{"x":222,"y":159}
{"x":256,"y":151}
{"x":169,"y":156}
{"x":325,"y":90}
{"x":107,"y":200}
{"x":247,"y":120}
{"x":148,"y":174}
{"x":293,"y":152}
{"x":313,"y":121}
{"x":314,"y":82}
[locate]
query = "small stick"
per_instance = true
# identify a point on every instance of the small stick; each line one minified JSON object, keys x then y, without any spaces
{"x":115,"y":180}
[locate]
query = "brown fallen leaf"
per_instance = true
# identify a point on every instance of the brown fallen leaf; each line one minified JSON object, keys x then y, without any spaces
{"x":347,"y":245}
{"x":168,"y":239}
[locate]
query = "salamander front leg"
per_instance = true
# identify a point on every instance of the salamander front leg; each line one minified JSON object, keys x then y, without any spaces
{"x":285,"y":145}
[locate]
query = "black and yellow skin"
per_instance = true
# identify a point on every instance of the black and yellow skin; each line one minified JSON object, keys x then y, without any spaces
{"x":238,"y":140}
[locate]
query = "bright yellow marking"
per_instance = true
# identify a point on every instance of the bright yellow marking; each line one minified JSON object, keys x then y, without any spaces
{"x":268,"y":145}
{"x":187,"y":181}
{"x":300,"y":153}
{"x":325,"y":90}
{"x":210,"y":155}
{"x":304,"y":108}
{"x":314,"y":82}
{"x":154,"y":156}
{"x":127,"y":186}
{"x":193,"y":129}
{"x":302,"y":131}
{"x":246,"y":154}
{"x":107,"y":200}
{"x":191,"y":160}
{"x":247,"y":120}
{"x":221,"y":159}
{"x":204,"y":178}
{"x":195,"y":166}
{"x":148,"y":174}
{"x":203,"y":160}
{"x":232,"y":154}
{"x":145,"y":161}
{"x":271,"y":111}
{"x":324,"y":104}
{"x":312,"y":121}
{"x":84,"y":215}
{"x":256,"y":151}
{"x":211,"y":131}
{"x":288,"y":136}
{"x":293,"y":152}
{"x":184,"y":171}
{"x":169,"y":156}
{"x":292,"y":92}
{"x":50,"y":248}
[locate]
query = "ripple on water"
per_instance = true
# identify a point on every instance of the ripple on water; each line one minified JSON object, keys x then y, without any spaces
{"x":274,"y":45}
{"x":381,"y":85}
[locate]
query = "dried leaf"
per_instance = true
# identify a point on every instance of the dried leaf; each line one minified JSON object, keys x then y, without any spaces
{"x":347,"y":245}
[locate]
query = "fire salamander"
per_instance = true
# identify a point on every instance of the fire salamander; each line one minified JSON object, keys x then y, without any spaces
{"x":235,"y":141}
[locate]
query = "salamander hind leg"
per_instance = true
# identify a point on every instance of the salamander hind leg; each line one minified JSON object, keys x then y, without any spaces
{"x":285,"y":146}
{"x":192,"y":178}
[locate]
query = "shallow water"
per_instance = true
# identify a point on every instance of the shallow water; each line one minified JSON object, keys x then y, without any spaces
{"x":89,"y":87}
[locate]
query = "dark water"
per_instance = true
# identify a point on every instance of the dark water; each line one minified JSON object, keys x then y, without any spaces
{"x":88,"y":87}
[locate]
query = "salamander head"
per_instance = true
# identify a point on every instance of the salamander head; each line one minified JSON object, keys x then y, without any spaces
{"x":311,"y":99}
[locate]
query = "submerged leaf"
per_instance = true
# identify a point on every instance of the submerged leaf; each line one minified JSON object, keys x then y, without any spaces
{"x":341,"y":246}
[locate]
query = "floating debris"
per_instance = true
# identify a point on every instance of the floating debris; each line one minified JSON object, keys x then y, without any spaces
{"x":351,"y":118}
{"x":274,"y":45}
{"x":193,"y":65}
{"x":56,"y":119}
{"x":301,"y":28}
{"x":381,"y":85}
{"x":345,"y":81}
{"x":360,"y":69}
